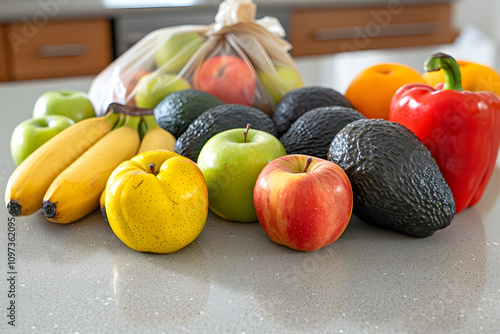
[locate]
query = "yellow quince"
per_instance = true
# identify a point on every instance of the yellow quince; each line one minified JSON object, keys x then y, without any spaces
{"x":157,"y":201}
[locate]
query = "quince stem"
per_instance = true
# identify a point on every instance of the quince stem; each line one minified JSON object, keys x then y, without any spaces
{"x":306,"y":166}
{"x":246,"y":132}
{"x":152,"y":168}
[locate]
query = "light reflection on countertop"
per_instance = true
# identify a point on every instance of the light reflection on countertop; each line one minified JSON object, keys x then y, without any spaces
{"x":233,"y":279}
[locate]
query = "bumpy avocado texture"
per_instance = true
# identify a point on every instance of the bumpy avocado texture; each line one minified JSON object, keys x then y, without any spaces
{"x":296,"y":102}
{"x":218,"y":119}
{"x":395,"y":180}
{"x":313,"y":132}
{"x":179,"y":109}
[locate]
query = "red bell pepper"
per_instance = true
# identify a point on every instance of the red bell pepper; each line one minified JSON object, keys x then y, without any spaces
{"x":460,"y":128}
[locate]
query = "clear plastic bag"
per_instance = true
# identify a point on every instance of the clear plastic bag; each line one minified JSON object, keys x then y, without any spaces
{"x":237,"y":59}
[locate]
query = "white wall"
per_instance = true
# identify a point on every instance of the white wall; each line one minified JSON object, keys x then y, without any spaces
{"x":483,"y":14}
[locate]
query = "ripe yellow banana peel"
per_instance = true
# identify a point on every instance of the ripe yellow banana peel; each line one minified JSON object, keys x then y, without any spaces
{"x":77,"y":190}
{"x":30,"y":180}
{"x":157,"y":202}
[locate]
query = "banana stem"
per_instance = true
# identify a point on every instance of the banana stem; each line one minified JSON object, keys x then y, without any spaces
{"x":112,"y":118}
{"x":132,"y":121}
{"x":150,"y":121}
{"x":120,"y":122}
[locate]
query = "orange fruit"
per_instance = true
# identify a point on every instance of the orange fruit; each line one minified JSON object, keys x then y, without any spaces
{"x":371,"y":91}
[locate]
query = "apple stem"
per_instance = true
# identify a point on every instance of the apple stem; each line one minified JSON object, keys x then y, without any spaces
{"x":246,"y":132}
{"x":152,"y":168}
{"x":308,"y":162}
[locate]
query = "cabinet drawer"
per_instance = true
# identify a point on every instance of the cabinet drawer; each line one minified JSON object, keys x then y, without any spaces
{"x":58,"y":49}
{"x":3,"y":56}
{"x":328,"y":30}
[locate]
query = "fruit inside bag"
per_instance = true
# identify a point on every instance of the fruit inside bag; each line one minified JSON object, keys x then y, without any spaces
{"x":238,"y":59}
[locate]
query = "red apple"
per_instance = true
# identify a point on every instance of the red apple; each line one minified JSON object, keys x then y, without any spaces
{"x":303,"y":202}
{"x":227,"y":77}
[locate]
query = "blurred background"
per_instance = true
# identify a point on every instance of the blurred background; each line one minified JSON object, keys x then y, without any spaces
{"x":48,"y":44}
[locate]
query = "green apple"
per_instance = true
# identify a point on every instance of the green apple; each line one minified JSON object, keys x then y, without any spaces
{"x":153,"y":87}
{"x":280,"y":82}
{"x":231,"y":162}
{"x":32,"y":133}
{"x":70,"y":103}
{"x":175,"y":52}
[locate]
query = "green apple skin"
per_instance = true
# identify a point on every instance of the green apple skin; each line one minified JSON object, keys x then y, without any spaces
{"x":153,"y":87}
{"x":175,"y":52}
{"x":231,"y":167}
{"x":70,"y":103}
{"x":279,"y":83}
{"x":32,"y":133}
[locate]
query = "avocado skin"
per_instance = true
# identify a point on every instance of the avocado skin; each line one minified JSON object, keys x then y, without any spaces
{"x":395,"y":180}
{"x":179,"y":109}
{"x":313,"y":132}
{"x":296,"y":102}
{"x":216,"y":120}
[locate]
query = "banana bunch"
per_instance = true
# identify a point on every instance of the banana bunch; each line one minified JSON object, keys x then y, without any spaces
{"x":67,"y":175}
{"x":29,"y":182}
{"x":76,"y":191}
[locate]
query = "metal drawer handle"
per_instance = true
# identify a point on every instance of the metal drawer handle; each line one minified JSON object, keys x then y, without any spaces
{"x":62,"y":50}
{"x":391,"y":30}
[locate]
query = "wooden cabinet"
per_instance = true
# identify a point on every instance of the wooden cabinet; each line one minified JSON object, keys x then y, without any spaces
{"x":57,"y":48}
{"x":330,"y":30}
{"x":3,"y":56}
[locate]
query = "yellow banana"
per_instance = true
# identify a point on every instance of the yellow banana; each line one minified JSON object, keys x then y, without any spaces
{"x":102,"y":203}
{"x":30,"y":180}
{"x":76,"y":191}
{"x":156,"y":137}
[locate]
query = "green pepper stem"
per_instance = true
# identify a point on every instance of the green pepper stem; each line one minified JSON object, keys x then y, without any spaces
{"x":452,"y":76}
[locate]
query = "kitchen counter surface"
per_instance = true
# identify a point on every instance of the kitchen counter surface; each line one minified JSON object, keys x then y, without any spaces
{"x":80,"y":278}
{"x":40,"y":10}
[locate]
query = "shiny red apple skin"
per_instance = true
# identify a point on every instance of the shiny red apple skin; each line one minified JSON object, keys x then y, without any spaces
{"x":304,"y":211}
{"x":228,"y":78}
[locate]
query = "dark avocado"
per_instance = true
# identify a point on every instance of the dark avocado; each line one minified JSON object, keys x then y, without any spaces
{"x":298,"y":101}
{"x":395,"y":180}
{"x":313,"y":132}
{"x":218,"y":119}
{"x":179,"y":109}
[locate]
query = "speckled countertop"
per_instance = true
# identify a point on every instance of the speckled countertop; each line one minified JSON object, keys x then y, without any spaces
{"x":80,"y":278}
